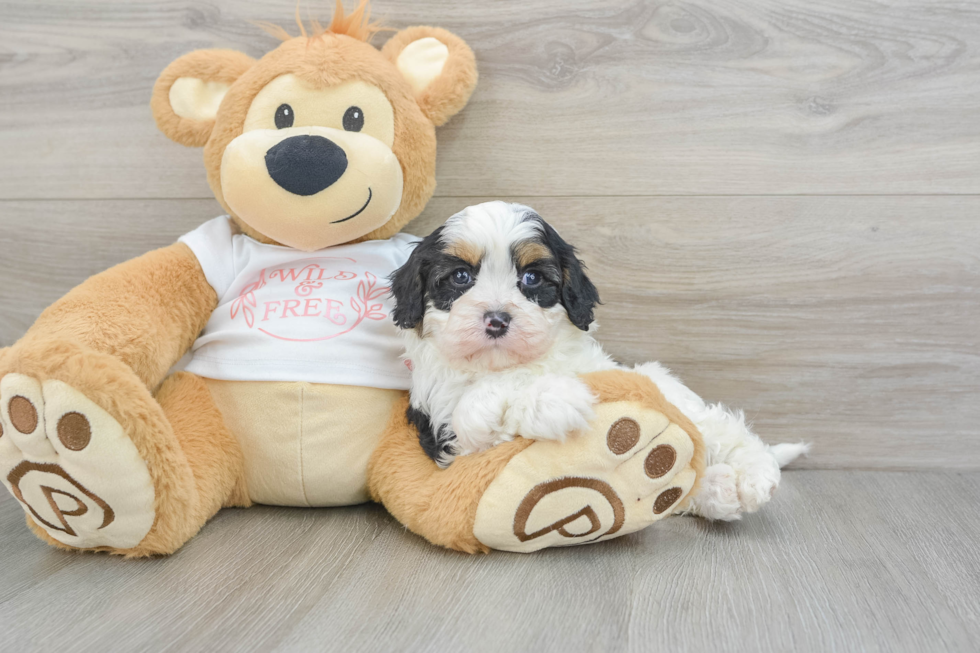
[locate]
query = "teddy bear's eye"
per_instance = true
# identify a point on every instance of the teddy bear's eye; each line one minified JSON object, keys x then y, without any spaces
{"x":354,"y":119}
{"x":284,"y":116}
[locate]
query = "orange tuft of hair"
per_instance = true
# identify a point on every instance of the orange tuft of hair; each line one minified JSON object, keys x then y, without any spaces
{"x":356,"y":25}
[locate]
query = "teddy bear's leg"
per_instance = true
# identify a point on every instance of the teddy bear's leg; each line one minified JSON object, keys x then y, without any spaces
{"x":636,"y":465}
{"x":99,"y":463}
{"x":212,"y":452}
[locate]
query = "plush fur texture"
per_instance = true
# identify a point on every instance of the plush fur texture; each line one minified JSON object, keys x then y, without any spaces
{"x":356,"y":24}
{"x":221,"y":66}
{"x":113,"y":338}
{"x":614,"y":385}
{"x":450,"y":92}
{"x":194,"y":463}
{"x":114,"y":387}
{"x":439,"y":505}
{"x":145,"y":313}
{"x":324,"y":60}
{"x":212,"y":452}
{"x":476,"y":384}
{"x":442,"y":504}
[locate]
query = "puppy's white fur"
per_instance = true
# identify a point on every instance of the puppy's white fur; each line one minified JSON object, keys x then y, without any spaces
{"x":488,"y":390}
{"x":742,"y":471}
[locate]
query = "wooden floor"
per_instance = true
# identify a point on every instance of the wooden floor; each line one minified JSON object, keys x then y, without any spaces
{"x":780,"y":199}
{"x":840,"y":561}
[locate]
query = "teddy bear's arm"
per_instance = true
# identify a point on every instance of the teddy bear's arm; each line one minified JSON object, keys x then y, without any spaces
{"x":637,"y":463}
{"x":145,"y":312}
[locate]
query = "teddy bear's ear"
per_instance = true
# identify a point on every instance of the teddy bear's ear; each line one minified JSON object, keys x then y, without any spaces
{"x":438,"y":65}
{"x":189,"y":91}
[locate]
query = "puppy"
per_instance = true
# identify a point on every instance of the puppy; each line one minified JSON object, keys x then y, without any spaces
{"x":498,"y":315}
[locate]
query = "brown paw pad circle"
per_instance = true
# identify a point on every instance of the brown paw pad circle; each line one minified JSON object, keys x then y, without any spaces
{"x":74,"y":431}
{"x":660,"y":461}
{"x":623,"y":435}
{"x":23,"y":415}
{"x":666,"y":499}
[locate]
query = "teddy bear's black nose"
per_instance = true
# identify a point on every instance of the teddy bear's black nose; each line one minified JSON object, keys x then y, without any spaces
{"x":305,"y":165}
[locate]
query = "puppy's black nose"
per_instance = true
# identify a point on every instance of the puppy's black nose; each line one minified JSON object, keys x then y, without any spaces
{"x":305,"y":165}
{"x":496,"y":323}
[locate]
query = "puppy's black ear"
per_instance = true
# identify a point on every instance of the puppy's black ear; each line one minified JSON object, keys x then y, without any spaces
{"x":408,"y":283}
{"x":578,"y":295}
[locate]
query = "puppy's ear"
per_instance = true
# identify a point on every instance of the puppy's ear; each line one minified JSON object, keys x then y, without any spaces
{"x":578,"y":295}
{"x":408,"y":283}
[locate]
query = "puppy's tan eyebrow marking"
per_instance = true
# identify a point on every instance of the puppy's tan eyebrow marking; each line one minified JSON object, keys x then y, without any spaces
{"x":527,"y":252}
{"x":465,"y":251}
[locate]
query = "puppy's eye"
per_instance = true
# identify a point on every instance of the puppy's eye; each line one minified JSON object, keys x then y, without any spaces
{"x":353,"y":119}
{"x":531,"y":279}
{"x":284,"y":116}
{"x":461,"y":277}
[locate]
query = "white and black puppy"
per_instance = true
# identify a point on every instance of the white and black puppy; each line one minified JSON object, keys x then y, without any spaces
{"x":498,"y":312}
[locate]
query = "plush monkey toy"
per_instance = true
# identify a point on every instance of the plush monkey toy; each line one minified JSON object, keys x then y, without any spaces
{"x":295,"y":395}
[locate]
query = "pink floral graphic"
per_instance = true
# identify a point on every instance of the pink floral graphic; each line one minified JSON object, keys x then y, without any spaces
{"x":246,"y":299}
{"x":366,"y":294}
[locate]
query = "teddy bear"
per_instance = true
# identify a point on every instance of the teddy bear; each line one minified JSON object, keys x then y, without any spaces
{"x":291,"y":390}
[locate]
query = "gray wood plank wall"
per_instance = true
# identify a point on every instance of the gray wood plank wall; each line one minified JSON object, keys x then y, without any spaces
{"x":779,"y":199}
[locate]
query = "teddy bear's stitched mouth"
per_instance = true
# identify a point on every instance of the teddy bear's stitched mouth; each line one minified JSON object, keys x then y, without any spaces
{"x":359,"y":211}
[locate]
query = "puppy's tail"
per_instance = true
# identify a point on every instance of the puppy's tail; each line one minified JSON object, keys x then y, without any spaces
{"x":786,"y":453}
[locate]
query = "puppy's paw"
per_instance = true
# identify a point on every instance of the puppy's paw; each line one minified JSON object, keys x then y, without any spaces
{"x":551,"y":408}
{"x":758,"y":477}
{"x":717,"y":497}
{"x":478,"y":419}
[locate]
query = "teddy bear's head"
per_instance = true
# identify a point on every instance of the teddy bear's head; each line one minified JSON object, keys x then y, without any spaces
{"x":324,"y":140}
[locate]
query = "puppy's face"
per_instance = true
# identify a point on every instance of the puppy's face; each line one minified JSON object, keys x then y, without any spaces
{"x":493,"y":287}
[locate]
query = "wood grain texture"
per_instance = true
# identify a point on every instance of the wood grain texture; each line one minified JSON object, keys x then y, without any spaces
{"x":842,"y":561}
{"x":848,"y":322}
{"x":578,"y":97}
{"x":829,"y":314}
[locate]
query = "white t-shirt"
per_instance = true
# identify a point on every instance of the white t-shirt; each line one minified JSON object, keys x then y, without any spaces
{"x":287,"y":315}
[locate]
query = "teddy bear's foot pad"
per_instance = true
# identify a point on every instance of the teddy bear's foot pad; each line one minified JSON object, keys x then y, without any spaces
{"x":71,"y":466}
{"x":630,"y":470}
